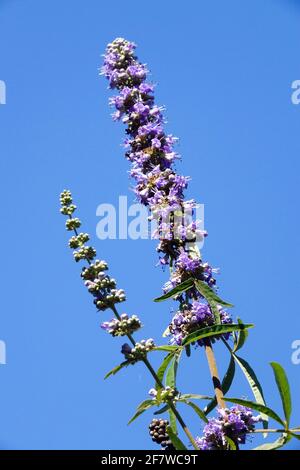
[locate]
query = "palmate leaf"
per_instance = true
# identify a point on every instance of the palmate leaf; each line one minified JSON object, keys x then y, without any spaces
{"x":226,"y":384}
{"x":184,"y":286}
{"x":280,"y":442}
{"x":209,"y":294}
{"x":213,"y":331}
{"x":177,"y":443}
{"x":284,"y":390}
{"x":117,"y":369}
{"x":145,"y":405}
{"x":256,"y":406}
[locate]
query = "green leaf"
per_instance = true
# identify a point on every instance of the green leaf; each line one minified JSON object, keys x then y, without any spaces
{"x":177,"y":443}
{"x":209,"y":294}
{"x":162,"y":369}
{"x":167,"y":348}
{"x":171,"y":374}
{"x":171,"y":382}
{"x":188,"y":350}
{"x":258,"y":407}
{"x":196,"y":408}
{"x":145,"y":405}
{"x":216,"y":313}
{"x":177,"y":290}
{"x":117,"y":368}
{"x":254,"y":384}
{"x":173,"y":422}
{"x":297,"y":436}
{"x":226,"y":384}
{"x":280,"y":442}
{"x":162,"y":410}
{"x":213,"y":331}
{"x":230,"y":443}
{"x":242,"y":336}
{"x":187,"y":396}
{"x":284,"y":390}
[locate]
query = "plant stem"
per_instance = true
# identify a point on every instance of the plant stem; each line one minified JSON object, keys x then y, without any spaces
{"x":154,"y":375}
{"x":214,"y":372}
{"x":161,"y":385}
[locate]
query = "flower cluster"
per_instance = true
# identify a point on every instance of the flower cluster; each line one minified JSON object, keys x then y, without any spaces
{"x":234,"y":423}
{"x":193,"y":317}
{"x":159,"y":434}
{"x":139,"y":351}
{"x":99,"y":284}
{"x":151,"y":153}
{"x":125,"y":326}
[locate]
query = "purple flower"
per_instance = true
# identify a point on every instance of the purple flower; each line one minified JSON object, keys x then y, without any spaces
{"x":234,"y":423}
{"x":193,"y":317}
{"x":152,"y":155}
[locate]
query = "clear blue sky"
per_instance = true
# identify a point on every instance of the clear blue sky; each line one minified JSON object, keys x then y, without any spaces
{"x":224,"y":71}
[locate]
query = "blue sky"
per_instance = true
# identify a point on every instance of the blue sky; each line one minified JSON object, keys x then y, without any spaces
{"x":224,"y":71}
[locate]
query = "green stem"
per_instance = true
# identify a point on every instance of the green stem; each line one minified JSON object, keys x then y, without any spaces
{"x":161,"y":385}
{"x":154,"y":375}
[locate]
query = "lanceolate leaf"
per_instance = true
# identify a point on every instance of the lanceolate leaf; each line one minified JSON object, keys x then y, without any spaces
{"x":171,"y":382}
{"x":284,"y":389}
{"x":196,"y":408}
{"x":177,"y":443}
{"x":254,"y":384}
{"x":188,"y":350}
{"x":242,"y":336}
{"x":177,"y":290}
{"x":163,"y":367}
{"x":173,"y":422}
{"x":256,"y":406}
{"x":216,"y":313}
{"x":145,"y":405}
{"x":167,"y":348}
{"x":193,"y":396}
{"x":230,"y":443}
{"x":162,"y":410}
{"x":226,"y":384}
{"x":172,"y":371}
{"x":213,"y":331}
{"x":210,"y":294}
{"x":280,"y":442}
{"x":117,"y":368}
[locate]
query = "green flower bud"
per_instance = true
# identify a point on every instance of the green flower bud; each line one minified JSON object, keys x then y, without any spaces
{"x":68,"y":210}
{"x":72,"y":224}
{"x":66,"y":198}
